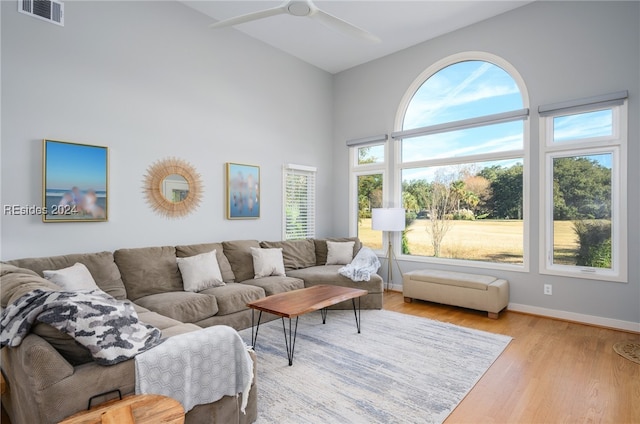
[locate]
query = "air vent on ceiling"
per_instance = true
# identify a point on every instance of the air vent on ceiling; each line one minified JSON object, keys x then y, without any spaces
{"x":51,"y":11}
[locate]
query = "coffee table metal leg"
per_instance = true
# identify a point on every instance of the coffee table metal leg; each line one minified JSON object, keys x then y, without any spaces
{"x":323,"y":312}
{"x":254,"y":337}
{"x":290,"y":342}
{"x":357,"y":314}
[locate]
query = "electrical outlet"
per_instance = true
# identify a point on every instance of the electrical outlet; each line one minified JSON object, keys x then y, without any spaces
{"x":547,"y":289}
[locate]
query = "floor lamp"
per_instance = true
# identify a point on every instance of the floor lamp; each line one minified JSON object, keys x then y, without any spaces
{"x":389,"y":220}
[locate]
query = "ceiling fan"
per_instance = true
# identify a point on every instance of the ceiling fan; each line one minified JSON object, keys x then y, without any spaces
{"x":300,"y":8}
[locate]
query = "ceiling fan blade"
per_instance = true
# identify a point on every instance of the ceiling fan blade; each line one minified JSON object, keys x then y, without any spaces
{"x":249,"y":17}
{"x":343,"y":26}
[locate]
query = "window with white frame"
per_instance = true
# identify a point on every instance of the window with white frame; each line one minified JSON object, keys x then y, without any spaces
{"x":584,"y":201}
{"x":462,"y":163}
{"x":299,"y":208}
{"x":368,"y":165}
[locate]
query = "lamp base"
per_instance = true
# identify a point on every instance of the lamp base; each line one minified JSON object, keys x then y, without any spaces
{"x":391,"y":257}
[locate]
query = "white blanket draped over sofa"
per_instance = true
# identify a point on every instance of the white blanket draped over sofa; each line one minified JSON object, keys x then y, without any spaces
{"x":363,"y":265}
{"x":197,"y":368}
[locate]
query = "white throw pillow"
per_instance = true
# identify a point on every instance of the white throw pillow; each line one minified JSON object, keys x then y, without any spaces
{"x":339,"y":252}
{"x":267,"y":262}
{"x":200,"y":272}
{"x":75,"y":277}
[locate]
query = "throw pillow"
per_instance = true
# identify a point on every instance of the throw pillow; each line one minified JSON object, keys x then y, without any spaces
{"x":73,"y":278}
{"x":200,"y":272}
{"x":267,"y":262}
{"x":339,"y":253}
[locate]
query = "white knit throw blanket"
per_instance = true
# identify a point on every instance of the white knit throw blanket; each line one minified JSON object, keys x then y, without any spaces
{"x":197,"y":368}
{"x":362,"y":266}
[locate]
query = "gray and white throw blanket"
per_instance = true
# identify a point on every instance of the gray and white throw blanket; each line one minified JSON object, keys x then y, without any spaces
{"x":362,"y":266}
{"x":109,"y":328}
{"x":197,"y":368}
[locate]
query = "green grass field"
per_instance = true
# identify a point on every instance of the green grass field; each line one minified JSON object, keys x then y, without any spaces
{"x":483,"y":240}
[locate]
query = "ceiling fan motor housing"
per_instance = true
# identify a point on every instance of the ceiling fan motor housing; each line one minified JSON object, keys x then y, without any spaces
{"x":299,"y":8}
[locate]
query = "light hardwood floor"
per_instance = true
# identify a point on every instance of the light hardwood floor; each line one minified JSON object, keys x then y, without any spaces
{"x":552,"y":371}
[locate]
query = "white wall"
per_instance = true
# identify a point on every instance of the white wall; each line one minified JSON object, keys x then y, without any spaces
{"x":150,"y":80}
{"x":564,"y":51}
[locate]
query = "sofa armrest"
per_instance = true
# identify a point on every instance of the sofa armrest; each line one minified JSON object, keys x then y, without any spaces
{"x":45,"y":388}
{"x":43,"y":364}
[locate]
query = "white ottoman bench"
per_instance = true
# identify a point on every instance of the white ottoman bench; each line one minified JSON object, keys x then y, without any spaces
{"x":481,"y":292}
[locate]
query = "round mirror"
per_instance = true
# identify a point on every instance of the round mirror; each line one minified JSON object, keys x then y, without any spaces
{"x":173,"y":188}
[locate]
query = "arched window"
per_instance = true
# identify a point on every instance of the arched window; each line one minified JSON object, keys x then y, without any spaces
{"x":462,"y":165}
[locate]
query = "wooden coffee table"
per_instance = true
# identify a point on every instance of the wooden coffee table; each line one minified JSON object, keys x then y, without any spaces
{"x":294,"y":303}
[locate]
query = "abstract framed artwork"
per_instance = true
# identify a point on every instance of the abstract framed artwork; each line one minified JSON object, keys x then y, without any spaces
{"x":243,"y":191}
{"x":75,"y":179}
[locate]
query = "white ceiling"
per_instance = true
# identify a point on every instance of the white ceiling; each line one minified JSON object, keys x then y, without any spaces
{"x":399,"y":24}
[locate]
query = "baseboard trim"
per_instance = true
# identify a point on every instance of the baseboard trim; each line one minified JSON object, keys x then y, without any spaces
{"x":617,"y":324}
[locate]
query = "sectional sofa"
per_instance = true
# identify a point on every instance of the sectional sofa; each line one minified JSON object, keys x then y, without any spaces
{"x":49,"y":376}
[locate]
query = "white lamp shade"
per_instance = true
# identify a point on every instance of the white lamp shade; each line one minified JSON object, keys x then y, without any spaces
{"x":387,"y":219}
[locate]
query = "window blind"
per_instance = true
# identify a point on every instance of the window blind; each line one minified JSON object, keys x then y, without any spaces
{"x":573,"y":106}
{"x":497,"y":118}
{"x":365,"y":141}
{"x":299,"y":209}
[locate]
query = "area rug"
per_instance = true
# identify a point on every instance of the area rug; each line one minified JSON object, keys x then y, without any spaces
{"x":628,"y":350}
{"x":401,"y":368}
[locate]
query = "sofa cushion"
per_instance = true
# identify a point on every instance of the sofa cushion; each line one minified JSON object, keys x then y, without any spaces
{"x":159,"y":321}
{"x":169,"y":326}
{"x":234,"y":297}
{"x":174,"y":330}
{"x":328,"y":274}
{"x":276,"y":284}
{"x":295,"y":253}
{"x":149,"y":270}
{"x":322,"y":250}
{"x":181,"y":305}
{"x":239,"y":254}
{"x":16,"y":282}
{"x":196,"y":249}
{"x":267,"y":262}
{"x":75,"y":277}
{"x":452,"y":278}
{"x":200,"y":272}
{"x":101,"y":266}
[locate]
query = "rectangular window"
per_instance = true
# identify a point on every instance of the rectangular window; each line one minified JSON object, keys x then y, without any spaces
{"x":299,"y":188}
{"x":371,"y":154}
{"x":583,"y":125}
{"x":487,"y":139}
{"x":582,"y":210}
{"x":584,"y":193}
{"x":369,"y":196}
{"x":470,"y":211}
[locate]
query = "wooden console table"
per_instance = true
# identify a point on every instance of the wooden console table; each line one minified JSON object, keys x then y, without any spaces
{"x":146,"y":409}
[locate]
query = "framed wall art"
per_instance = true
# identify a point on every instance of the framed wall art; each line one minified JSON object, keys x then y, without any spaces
{"x":75,"y":179}
{"x":243,"y":191}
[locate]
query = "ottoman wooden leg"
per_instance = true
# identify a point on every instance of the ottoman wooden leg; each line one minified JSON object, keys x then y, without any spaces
{"x":408,"y":300}
{"x":493,"y":315}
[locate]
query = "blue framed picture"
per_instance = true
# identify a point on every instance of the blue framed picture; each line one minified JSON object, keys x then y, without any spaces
{"x":75,"y":182}
{"x":243,"y":191}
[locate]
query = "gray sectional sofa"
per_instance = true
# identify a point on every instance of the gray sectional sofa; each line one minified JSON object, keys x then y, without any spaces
{"x":49,"y":376}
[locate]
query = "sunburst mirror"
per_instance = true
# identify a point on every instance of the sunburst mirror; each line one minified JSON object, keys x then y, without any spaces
{"x":172,"y":187}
